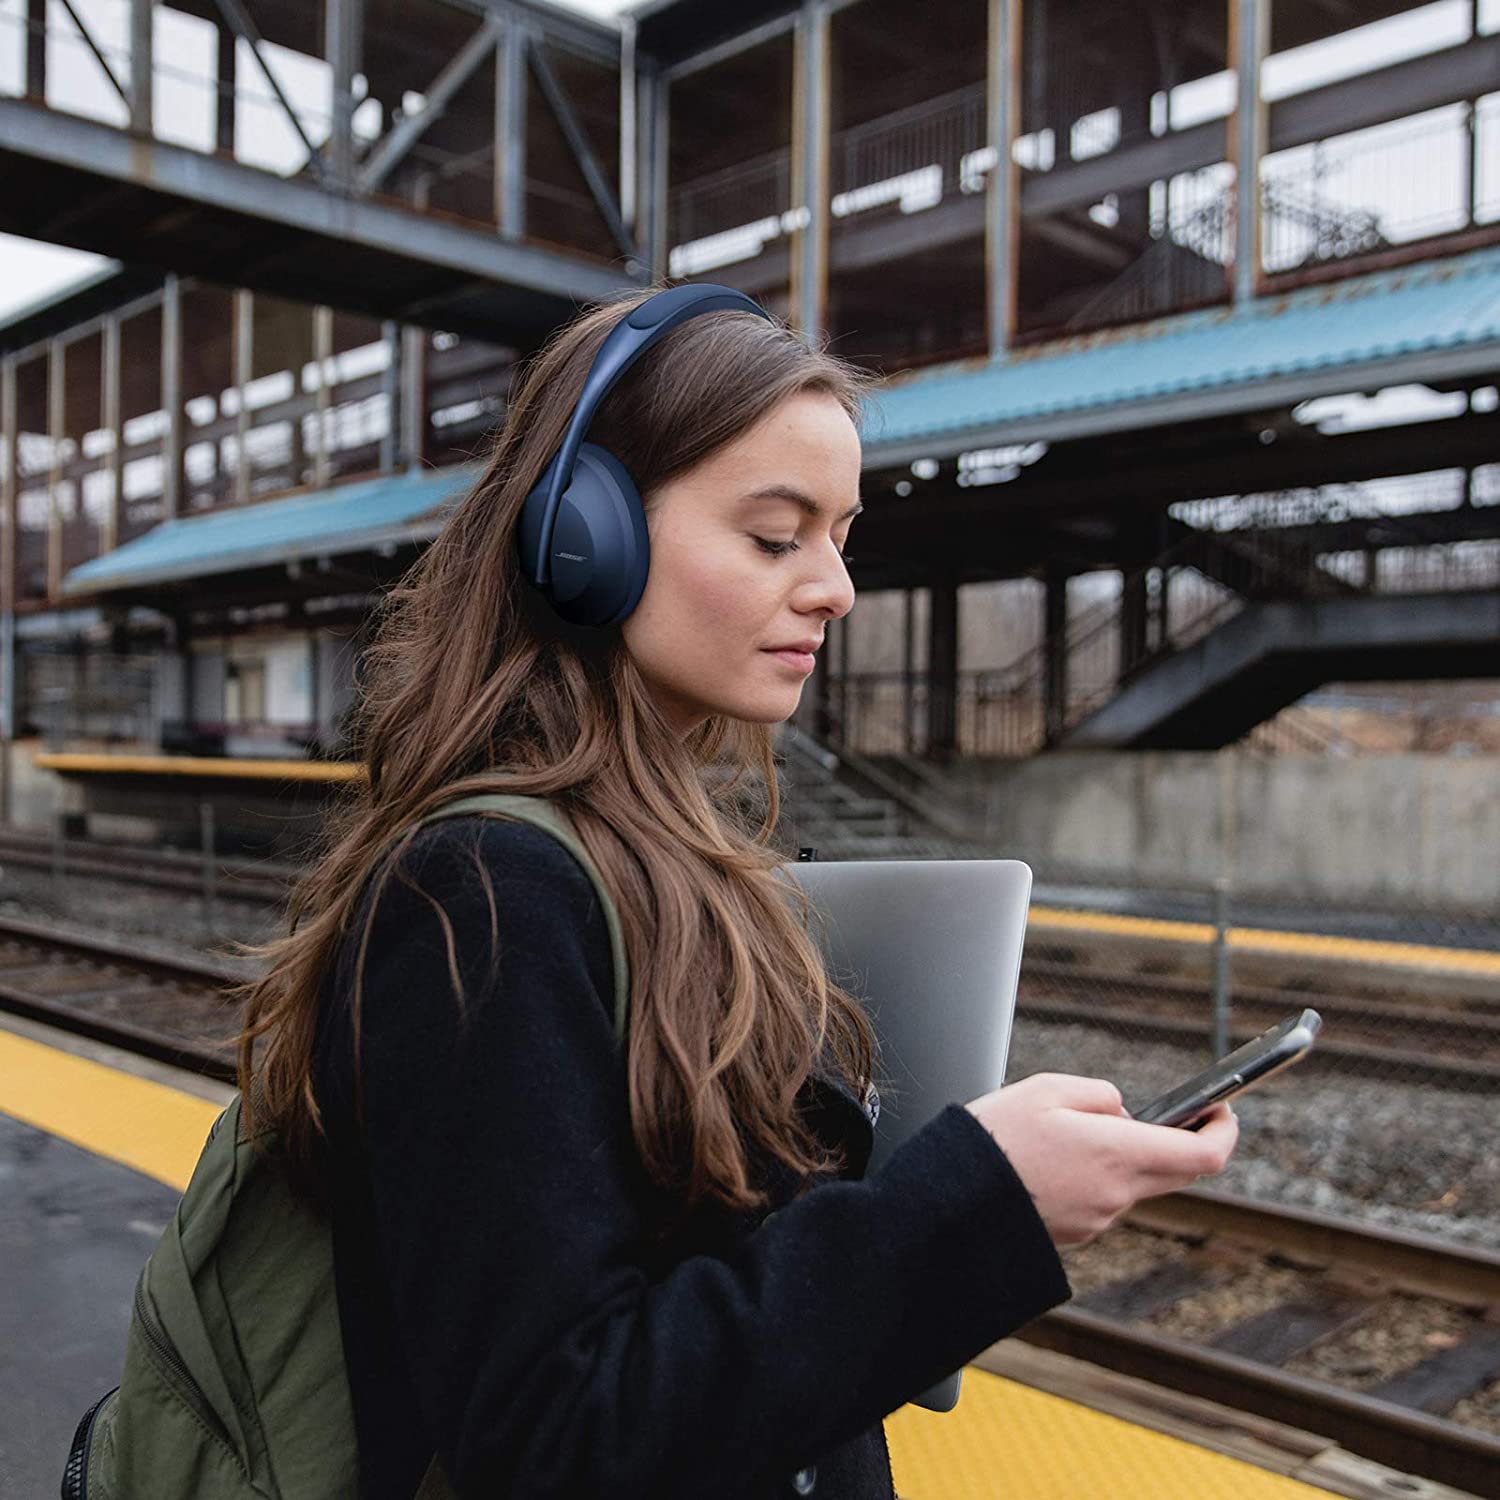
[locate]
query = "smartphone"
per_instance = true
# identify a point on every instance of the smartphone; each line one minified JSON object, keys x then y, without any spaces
{"x":1239,"y":1070}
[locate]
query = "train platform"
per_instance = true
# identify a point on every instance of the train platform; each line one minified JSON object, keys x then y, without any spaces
{"x":96,"y":1145}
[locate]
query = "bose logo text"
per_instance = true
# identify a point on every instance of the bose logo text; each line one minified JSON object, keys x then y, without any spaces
{"x":571,"y":556}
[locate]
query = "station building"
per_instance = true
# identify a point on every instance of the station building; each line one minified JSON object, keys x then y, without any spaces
{"x":1157,"y":453}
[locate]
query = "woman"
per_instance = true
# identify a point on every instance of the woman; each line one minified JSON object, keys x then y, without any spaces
{"x":572,"y":1271}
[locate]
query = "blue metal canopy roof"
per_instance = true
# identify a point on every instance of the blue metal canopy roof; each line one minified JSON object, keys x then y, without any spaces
{"x":1431,"y":320}
{"x":350,"y":517}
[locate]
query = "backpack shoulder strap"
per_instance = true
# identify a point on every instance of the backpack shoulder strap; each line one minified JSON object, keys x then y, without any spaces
{"x":548,"y":816}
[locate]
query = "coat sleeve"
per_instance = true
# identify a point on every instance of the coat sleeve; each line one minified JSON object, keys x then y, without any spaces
{"x":509,"y":1209}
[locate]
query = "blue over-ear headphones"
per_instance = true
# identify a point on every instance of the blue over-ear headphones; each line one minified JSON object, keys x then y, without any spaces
{"x":582,"y":535}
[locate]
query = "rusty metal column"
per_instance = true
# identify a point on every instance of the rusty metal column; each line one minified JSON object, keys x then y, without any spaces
{"x":114,"y":425}
{"x":9,"y":474}
{"x":1249,"y":33}
{"x":57,"y":367}
{"x":171,"y":396}
{"x":510,"y":129}
{"x":1002,"y":192}
{"x":142,"y":45}
{"x":810,"y":129}
{"x":244,"y":373}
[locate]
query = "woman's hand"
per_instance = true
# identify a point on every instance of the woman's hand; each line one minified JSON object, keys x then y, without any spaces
{"x":1084,"y":1161}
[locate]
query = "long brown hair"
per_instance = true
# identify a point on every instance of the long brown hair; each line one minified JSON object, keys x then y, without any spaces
{"x":473,"y":684}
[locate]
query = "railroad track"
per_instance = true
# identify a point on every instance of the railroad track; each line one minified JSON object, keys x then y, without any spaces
{"x":261,"y":881}
{"x":1440,"y":1043}
{"x":1315,"y":1281}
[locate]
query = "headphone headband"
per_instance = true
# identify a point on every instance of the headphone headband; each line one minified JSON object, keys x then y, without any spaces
{"x":627,"y":341}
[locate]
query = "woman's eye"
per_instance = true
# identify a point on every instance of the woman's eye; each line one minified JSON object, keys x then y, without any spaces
{"x":780,"y":549}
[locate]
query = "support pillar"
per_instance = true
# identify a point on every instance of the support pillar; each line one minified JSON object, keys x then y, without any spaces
{"x":36,"y":51}
{"x":56,"y":389}
{"x":114,"y":424}
{"x":390,"y":390}
{"x":659,"y":112}
{"x":343,"y":33}
{"x":630,"y":124}
{"x":1134,"y":620}
{"x":510,"y":130}
{"x":244,"y":373}
{"x":9,"y":486}
{"x":810,"y":132}
{"x":227,"y":81}
{"x":413,"y":396}
{"x":1249,"y":33}
{"x":323,"y":358}
{"x":1002,"y":188}
{"x":142,"y":56}
{"x":908,"y":670}
{"x":942,"y":669}
{"x":1055,"y":651}
{"x":171,"y":396}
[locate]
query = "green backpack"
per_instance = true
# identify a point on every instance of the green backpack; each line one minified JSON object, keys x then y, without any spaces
{"x":234,"y":1381}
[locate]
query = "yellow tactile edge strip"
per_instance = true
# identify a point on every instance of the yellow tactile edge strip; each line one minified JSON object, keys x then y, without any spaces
{"x":1268,"y":940}
{"x":148,"y":1126}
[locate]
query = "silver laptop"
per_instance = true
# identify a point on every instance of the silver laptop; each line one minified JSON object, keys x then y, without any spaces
{"x":932,"y":947}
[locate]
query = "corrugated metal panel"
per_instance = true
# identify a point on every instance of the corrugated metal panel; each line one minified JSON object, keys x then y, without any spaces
{"x":1436,"y":305}
{"x":333,"y":521}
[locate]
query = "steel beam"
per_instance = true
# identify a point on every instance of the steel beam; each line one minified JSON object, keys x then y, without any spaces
{"x":190,"y":176}
{"x":171,"y":396}
{"x":343,"y":33}
{"x":723,"y":51}
{"x":578,"y":143}
{"x":392,"y":148}
{"x":1405,"y":88}
{"x":510,"y":131}
{"x":1001,"y":195}
{"x":1249,"y":31}
{"x":810,"y":122}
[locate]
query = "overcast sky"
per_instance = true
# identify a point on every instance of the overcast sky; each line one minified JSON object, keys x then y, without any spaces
{"x":30,"y":271}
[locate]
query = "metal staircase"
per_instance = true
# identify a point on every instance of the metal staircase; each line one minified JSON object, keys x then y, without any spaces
{"x":847,"y":807}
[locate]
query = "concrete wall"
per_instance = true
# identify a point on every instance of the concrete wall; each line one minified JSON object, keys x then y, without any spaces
{"x":1420,"y":829}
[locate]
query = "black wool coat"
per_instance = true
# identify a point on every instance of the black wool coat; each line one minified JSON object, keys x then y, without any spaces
{"x":503,"y":1298}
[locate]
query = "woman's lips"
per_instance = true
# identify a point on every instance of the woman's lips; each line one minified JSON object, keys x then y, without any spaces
{"x":799,"y":661}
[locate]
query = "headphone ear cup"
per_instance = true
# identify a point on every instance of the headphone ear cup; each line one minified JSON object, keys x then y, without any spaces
{"x":601,"y":549}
